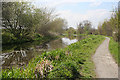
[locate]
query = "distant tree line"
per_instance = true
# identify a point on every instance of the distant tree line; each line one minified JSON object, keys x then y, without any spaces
{"x":22,"y":21}
{"x":109,"y":27}
{"x":85,"y":27}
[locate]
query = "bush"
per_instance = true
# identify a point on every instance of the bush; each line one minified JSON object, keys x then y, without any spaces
{"x":38,"y":37}
{"x":68,"y":69}
{"x":7,"y":38}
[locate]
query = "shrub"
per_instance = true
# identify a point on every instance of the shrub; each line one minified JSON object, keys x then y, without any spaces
{"x":7,"y":38}
{"x":67,"y":69}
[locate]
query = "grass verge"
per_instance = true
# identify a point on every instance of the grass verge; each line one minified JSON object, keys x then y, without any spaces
{"x":73,"y":62}
{"x":113,"y":47}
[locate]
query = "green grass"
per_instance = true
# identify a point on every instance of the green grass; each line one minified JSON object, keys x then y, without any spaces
{"x":74,"y":61}
{"x":113,"y":47}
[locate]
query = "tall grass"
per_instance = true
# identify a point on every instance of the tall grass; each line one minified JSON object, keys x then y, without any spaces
{"x":114,"y":47}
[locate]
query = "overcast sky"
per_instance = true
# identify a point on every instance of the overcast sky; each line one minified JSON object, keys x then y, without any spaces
{"x":75,"y":11}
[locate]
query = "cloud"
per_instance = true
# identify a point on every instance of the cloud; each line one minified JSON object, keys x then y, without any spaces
{"x":95,"y":16}
{"x":55,"y":3}
{"x":58,"y":1}
{"x":96,"y":3}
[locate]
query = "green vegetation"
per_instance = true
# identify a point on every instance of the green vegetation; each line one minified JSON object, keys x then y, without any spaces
{"x":21,"y":21}
{"x":111,"y":26}
{"x":114,"y":47}
{"x":85,"y":27}
{"x":72,"y":62}
{"x":70,"y":31}
{"x":8,"y":39}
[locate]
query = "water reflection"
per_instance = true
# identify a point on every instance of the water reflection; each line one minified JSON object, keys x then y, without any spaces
{"x":16,"y":58}
{"x":20,"y":55}
{"x":67,"y":41}
{"x":55,"y":44}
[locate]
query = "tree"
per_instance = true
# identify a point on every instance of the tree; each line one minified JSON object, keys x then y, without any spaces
{"x":84,"y":27}
{"x":58,"y":25}
{"x":87,"y":26}
{"x":17,"y":19}
{"x":110,"y":27}
{"x":43,"y":18}
{"x":71,"y":31}
{"x":23,"y":21}
{"x":114,"y":20}
{"x":80,"y":28}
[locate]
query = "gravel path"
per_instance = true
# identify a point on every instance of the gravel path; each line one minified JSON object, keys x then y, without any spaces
{"x":104,"y":63}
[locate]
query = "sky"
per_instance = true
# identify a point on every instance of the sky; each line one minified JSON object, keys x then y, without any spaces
{"x":75,"y":11}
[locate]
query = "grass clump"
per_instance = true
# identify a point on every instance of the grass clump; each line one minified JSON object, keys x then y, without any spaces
{"x":72,"y":62}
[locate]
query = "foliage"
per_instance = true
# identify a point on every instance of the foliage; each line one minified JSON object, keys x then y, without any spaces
{"x":72,"y":62}
{"x":22,"y":21}
{"x":85,"y":27}
{"x":58,"y":25}
{"x":67,"y":69}
{"x":70,"y":31}
{"x":114,"y":47}
{"x":17,"y":19}
{"x":110,"y":27}
{"x":42,"y":19}
{"x":8,"y":38}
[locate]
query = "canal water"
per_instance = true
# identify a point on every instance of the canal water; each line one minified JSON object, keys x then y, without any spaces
{"x":20,"y":55}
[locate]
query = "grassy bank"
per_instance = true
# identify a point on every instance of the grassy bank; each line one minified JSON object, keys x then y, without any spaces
{"x":74,"y":61}
{"x":113,"y":47}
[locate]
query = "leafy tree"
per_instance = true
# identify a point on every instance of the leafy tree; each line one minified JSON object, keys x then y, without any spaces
{"x":87,"y":26}
{"x":22,"y":21}
{"x":115,"y":25}
{"x":80,"y":29}
{"x":111,"y":27}
{"x":58,"y":25}
{"x":71,"y":30}
{"x":42,"y":18}
{"x":84,"y":27}
{"x":17,"y":19}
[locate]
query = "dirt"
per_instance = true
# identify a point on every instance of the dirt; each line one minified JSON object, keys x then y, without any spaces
{"x":106,"y":66}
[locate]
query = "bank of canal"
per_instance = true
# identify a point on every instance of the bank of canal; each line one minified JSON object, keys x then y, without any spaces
{"x":20,"y":55}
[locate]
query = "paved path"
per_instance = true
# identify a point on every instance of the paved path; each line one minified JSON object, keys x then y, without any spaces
{"x":104,"y":63}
